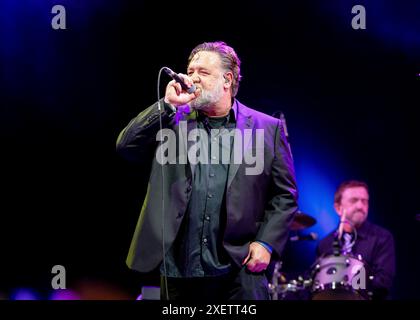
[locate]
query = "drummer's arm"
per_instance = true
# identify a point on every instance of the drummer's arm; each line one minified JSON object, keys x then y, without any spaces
{"x":384,"y":265}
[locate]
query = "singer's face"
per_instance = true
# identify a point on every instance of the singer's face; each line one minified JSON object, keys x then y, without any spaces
{"x":355,"y":203}
{"x":207,"y":74}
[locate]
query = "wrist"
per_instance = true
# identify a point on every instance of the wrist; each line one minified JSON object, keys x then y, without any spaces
{"x":265,"y":245}
{"x":169,"y":108}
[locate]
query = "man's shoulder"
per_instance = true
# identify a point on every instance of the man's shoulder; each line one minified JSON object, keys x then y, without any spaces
{"x":325,"y":244}
{"x":375,"y":229}
{"x":257,"y":115}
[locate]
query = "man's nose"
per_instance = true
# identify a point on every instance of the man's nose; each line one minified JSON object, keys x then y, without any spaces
{"x":359,"y":204}
{"x":195,"y":79}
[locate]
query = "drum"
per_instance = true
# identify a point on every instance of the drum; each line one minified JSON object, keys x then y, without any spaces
{"x":340,"y":277}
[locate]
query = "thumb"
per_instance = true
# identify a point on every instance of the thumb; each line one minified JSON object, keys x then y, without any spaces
{"x":247,"y":258}
{"x":196,"y":93}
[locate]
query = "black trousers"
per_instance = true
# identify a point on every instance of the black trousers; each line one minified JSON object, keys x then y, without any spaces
{"x":238,"y":285}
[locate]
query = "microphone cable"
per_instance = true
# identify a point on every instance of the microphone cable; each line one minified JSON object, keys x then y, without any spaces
{"x":165,"y":279}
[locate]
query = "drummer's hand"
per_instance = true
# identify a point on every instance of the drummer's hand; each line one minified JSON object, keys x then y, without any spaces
{"x":258,"y":258}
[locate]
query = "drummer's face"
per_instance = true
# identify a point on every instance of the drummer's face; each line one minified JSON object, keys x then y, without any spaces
{"x":355,"y":202}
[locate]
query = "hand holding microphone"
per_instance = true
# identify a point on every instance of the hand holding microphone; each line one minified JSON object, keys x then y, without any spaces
{"x":177,"y":78}
{"x":181,"y":90}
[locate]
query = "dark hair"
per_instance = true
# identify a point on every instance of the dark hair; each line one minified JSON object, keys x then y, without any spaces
{"x":230,"y":60}
{"x":345,"y":185}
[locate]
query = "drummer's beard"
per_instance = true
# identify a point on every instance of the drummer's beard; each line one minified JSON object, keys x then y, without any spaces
{"x":357,"y":217}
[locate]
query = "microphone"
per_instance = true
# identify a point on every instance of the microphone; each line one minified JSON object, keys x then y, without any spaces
{"x":341,"y":226}
{"x":311,"y":237}
{"x":178,"y":79}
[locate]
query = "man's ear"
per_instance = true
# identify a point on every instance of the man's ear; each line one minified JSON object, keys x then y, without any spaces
{"x":228,"y":79}
{"x":337,"y":208}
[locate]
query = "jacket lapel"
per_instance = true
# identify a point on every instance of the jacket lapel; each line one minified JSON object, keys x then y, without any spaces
{"x":186,"y":114}
{"x":192,"y":124}
{"x":243,"y":121}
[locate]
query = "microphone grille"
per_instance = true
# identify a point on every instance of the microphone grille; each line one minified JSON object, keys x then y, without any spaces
{"x":168,"y":71}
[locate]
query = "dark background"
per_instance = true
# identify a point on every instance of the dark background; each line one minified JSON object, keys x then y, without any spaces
{"x":350,"y":98}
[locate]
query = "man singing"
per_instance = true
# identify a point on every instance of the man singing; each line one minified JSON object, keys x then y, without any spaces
{"x":210,"y":226}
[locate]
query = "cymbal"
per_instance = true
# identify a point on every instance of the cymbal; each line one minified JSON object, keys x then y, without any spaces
{"x":302,"y":221}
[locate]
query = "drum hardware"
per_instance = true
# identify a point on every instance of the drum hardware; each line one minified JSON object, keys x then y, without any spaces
{"x":281,"y":289}
{"x":302,"y":221}
{"x":275,"y":285}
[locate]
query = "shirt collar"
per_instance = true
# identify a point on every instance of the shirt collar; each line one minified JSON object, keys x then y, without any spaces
{"x":234,"y":109}
{"x":233,"y":113}
{"x":363,"y":230}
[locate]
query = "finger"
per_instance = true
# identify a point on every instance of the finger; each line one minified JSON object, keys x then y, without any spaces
{"x":196,"y":93}
{"x":255,"y":265}
{"x":261,"y":267}
{"x":251,"y":265}
{"x":178,"y":88}
{"x":256,"y":269}
{"x":187,"y":80}
{"x":171,"y":86}
{"x":246,"y":260}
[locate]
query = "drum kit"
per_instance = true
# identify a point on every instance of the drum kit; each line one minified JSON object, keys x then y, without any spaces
{"x":338,"y":276}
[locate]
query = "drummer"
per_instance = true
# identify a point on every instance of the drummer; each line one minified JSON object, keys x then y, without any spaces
{"x":374,"y":243}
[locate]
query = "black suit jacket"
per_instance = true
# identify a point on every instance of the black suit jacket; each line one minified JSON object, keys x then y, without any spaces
{"x":259,"y":207}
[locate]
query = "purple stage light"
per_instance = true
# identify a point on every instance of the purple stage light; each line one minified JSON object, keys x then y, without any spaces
{"x":24,"y":294}
{"x":64,"y":295}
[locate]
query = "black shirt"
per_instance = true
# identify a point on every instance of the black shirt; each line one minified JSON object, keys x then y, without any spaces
{"x":198,"y":249}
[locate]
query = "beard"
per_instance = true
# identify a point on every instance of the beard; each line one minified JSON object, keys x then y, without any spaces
{"x":358,"y":217}
{"x":208,"y":98}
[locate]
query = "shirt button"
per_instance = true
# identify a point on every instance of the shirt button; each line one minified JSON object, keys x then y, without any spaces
{"x":212,"y":175}
{"x":207,"y":217}
{"x":205,"y":240}
{"x":210,"y":195}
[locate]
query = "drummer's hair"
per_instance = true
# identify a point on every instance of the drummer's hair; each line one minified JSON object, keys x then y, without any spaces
{"x":348,"y":184}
